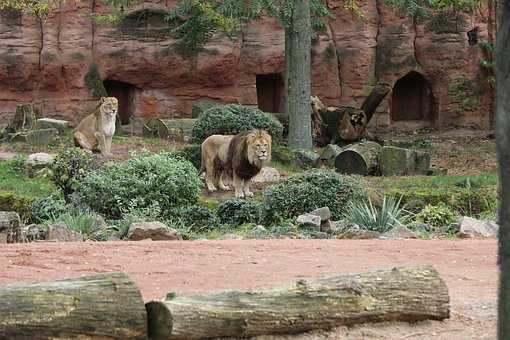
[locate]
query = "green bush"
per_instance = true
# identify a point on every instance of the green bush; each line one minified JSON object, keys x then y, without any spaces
{"x":198,"y":218}
{"x":237,"y":212}
{"x":437,"y":216}
{"x":162,"y":179}
{"x":310,"y":190}
{"x":232,"y":119}
{"x":192,"y":153}
{"x":381,"y":219}
{"x":69,"y":168}
{"x":48,"y":208}
{"x":282,"y":154}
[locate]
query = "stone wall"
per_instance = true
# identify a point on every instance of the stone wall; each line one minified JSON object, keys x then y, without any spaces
{"x":52,"y":65}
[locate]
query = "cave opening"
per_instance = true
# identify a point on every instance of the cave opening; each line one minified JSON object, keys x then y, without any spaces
{"x":411,"y":99}
{"x":124,"y":93}
{"x":270,"y":92}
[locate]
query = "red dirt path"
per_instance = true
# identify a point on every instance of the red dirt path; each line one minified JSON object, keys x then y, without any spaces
{"x":467,"y":266}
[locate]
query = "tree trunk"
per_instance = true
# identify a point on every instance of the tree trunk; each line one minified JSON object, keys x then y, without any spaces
{"x":25,"y":118}
{"x":401,"y":294}
{"x":297,"y":73}
{"x":373,"y":100}
{"x":359,"y":159}
{"x":105,"y":306}
{"x":503,"y":147}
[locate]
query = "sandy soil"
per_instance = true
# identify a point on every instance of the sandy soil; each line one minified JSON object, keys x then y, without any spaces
{"x":467,"y":266}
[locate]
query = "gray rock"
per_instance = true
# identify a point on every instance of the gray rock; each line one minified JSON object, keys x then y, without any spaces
{"x":62,"y":233}
{"x":329,"y":154}
{"x":395,"y":161}
{"x":309,"y":221}
{"x":399,"y":232}
{"x":324,"y":213}
{"x":267,"y":175}
{"x":47,"y":123}
{"x":113,"y":238}
{"x":231,"y":237}
{"x":156,"y":231}
{"x":258,"y":232}
{"x":346,"y":230}
{"x":38,"y":161}
{"x":34,"y":232}
{"x":10,"y":227}
{"x":306,"y":158}
{"x":471,"y":227}
{"x":36,"y":137}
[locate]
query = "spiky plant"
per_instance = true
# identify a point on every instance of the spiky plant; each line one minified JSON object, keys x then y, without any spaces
{"x":370,"y":217}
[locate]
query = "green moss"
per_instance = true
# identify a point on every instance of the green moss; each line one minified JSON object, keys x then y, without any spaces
{"x":329,"y":53}
{"x":446,"y":22}
{"x":78,"y":56}
{"x":12,"y":202}
{"x":94,"y":82}
{"x":467,"y":92}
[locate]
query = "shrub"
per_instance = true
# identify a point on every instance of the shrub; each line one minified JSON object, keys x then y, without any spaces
{"x":141,"y":182}
{"x":198,"y":218}
{"x":282,"y":154}
{"x":310,"y":190}
{"x":69,"y":168}
{"x":436,"y":215}
{"x":237,"y":212}
{"x":191,"y":153}
{"x":379,"y":219}
{"x":48,"y":208}
{"x":233,"y":119}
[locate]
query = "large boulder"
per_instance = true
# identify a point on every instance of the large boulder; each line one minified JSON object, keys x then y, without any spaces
{"x":309,"y":221}
{"x":36,"y":137}
{"x":156,"y":231}
{"x":395,"y":161}
{"x":471,"y":227}
{"x":267,"y":175}
{"x":10,"y":227}
{"x":60,"y":232}
{"x":48,"y":123}
{"x":38,"y":161}
{"x":306,"y":158}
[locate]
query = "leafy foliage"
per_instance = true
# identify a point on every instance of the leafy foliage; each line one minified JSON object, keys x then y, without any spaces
{"x":48,"y":208}
{"x":39,"y":8}
{"x":69,"y":168}
{"x":141,"y":182}
{"x":191,"y":153}
{"x":466,"y":92}
{"x":232,"y":119}
{"x":310,"y":190}
{"x":439,"y":215}
{"x":198,"y":218}
{"x":381,"y":219}
{"x":237,"y":212}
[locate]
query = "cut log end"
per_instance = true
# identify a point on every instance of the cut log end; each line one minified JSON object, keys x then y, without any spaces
{"x":160,"y":320}
{"x":351,"y":162}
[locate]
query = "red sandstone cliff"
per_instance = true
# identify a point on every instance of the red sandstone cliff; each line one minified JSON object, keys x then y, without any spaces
{"x":50,"y":66}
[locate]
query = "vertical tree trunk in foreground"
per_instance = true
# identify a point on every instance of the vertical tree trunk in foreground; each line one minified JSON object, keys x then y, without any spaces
{"x":106,"y":306}
{"x":297,"y":76}
{"x":400,"y":294}
{"x":503,"y":147}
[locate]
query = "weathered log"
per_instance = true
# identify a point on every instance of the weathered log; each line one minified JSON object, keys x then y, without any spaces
{"x":395,"y":161}
{"x":375,"y":98}
{"x":105,"y":306}
{"x":25,"y":118}
{"x":401,"y":294}
{"x":359,"y":159}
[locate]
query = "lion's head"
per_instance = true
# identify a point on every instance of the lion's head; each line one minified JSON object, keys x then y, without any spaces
{"x":258,"y":147}
{"x":109,"y":106}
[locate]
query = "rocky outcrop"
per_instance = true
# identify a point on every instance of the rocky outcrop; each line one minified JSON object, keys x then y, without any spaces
{"x":57,"y":62}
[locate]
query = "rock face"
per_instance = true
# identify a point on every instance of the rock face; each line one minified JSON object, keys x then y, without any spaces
{"x":471,"y":227}
{"x":156,"y":231}
{"x":428,"y":62}
{"x":62,"y":233}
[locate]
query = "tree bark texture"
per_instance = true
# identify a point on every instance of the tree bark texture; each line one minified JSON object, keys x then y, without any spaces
{"x":400,"y":294}
{"x":359,"y":159}
{"x":503,"y":148}
{"x":105,"y":306}
{"x":297,"y":72}
{"x":25,"y":118}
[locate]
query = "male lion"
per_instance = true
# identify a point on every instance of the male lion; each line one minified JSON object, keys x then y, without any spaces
{"x":95,"y":132}
{"x":239,"y":157}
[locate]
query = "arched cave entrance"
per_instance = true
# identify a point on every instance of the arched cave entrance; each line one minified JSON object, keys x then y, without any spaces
{"x":270,"y":92}
{"x":124,"y":93}
{"x":411,"y":99}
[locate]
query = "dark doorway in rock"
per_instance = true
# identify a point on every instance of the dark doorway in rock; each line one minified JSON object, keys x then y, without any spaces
{"x":270,"y":92}
{"x":411,"y":98}
{"x":124,"y":93}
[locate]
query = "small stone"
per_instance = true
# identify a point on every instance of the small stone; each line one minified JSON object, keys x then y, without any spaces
{"x":471,"y":227}
{"x":267,"y":175}
{"x":309,"y":220}
{"x":346,"y":230}
{"x":399,"y":232}
{"x":113,"y":238}
{"x":324,"y":213}
{"x":62,"y":233}
{"x":46,"y":123}
{"x":156,"y":231}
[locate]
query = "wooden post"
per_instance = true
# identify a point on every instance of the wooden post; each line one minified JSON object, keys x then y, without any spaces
{"x":105,"y":306}
{"x":401,"y":294}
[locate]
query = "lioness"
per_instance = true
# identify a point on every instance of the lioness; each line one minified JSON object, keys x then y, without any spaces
{"x":95,"y":132}
{"x":239,"y":157}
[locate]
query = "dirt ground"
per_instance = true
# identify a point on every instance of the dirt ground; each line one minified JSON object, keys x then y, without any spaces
{"x":186,"y":267}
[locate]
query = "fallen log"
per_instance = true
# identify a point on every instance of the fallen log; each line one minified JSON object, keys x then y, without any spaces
{"x":360,"y":159}
{"x":105,"y":306}
{"x":401,"y":294}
